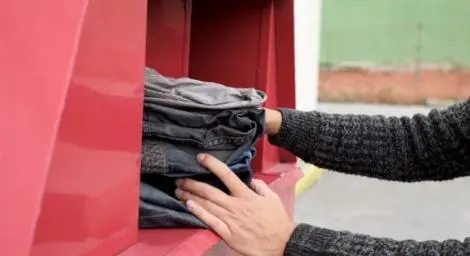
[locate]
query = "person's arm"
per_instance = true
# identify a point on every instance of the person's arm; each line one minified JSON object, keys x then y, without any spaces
{"x":432,"y":147}
{"x":310,"y":240}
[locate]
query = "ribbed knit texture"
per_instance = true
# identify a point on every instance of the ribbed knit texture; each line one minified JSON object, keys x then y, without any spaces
{"x":433,"y":147}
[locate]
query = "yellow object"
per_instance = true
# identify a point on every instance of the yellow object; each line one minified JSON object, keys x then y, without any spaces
{"x":311,"y":175}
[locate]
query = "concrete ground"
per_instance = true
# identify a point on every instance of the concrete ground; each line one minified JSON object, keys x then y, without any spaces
{"x":386,"y":209}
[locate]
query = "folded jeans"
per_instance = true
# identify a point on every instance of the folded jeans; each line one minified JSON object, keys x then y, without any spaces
{"x":172,"y":138}
{"x":159,"y":207}
{"x":191,"y":93}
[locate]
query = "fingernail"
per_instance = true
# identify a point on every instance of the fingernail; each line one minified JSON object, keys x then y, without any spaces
{"x":190,"y":204}
{"x":178,"y":192}
{"x":200,"y":157}
{"x":179,"y":182}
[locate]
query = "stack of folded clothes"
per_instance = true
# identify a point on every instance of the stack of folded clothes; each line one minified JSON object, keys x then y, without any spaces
{"x":184,"y":117}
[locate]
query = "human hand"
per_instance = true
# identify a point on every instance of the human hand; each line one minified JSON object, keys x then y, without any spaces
{"x":252,"y":222}
{"x":273,"y":121}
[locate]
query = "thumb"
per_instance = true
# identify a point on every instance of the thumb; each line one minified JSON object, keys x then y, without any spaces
{"x":261,"y":188}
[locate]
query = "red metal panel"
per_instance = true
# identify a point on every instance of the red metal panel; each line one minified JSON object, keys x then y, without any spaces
{"x":285,"y":60}
{"x":269,"y":155}
{"x":225,"y":39}
{"x":168,"y":31}
{"x":37,"y":45}
{"x":91,"y":197}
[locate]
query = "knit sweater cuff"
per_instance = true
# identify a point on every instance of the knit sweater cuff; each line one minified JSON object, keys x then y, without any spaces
{"x":290,"y":122}
{"x":307,"y":239}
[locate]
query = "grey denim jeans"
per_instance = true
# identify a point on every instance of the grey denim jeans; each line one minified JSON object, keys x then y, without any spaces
{"x":159,"y":207}
{"x":191,"y":93}
{"x":172,"y":138}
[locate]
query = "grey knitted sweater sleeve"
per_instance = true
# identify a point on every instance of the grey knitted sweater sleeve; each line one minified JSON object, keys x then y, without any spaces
{"x":432,"y":147}
{"x":310,"y":240}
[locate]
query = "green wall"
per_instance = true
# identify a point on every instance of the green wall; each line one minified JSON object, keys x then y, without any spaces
{"x":396,"y":32}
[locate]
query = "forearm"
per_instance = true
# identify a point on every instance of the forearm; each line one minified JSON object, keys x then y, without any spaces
{"x":433,"y":147}
{"x":310,"y":240}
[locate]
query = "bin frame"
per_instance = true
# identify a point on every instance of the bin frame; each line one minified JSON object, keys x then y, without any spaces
{"x":70,"y":203}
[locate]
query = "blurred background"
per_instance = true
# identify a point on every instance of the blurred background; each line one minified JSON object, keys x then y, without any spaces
{"x":395,"y":51}
{"x":391,"y":57}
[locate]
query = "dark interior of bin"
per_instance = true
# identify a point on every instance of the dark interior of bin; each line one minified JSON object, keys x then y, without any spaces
{"x":218,"y":40}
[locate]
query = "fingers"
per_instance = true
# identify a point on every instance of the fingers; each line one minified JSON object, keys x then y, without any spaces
{"x":204,"y":190}
{"x":210,"y":219}
{"x":221,"y":170}
{"x":210,"y":206}
{"x":261,"y":188}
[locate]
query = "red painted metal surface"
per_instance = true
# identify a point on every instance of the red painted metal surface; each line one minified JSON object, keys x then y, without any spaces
{"x":168,"y":36}
{"x":71,"y":95}
{"x":89,"y":204}
{"x":285,"y":60}
{"x":225,"y":41}
{"x":267,"y":81}
{"x":183,"y":242}
{"x":37,"y":45}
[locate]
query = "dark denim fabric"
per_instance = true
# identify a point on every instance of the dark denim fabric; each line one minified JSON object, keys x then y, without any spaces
{"x":172,"y":138}
{"x":160,"y":210}
{"x":159,"y":207}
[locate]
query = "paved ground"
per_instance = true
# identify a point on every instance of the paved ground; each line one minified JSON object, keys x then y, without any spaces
{"x":387,"y":209}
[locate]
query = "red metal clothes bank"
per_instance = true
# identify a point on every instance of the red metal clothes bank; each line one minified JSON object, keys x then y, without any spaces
{"x":71,"y":95}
